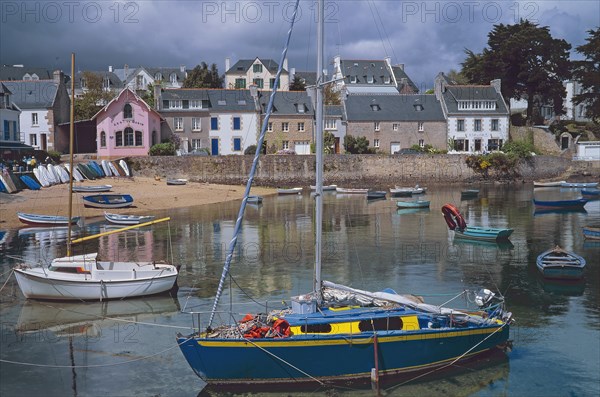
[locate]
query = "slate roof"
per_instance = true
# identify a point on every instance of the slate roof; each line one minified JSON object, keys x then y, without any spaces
{"x":185,"y":94}
{"x":400,"y":74}
{"x":39,"y":94}
{"x":15,"y":73}
{"x":288,"y":103}
{"x":455,"y":93}
{"x":363,"y":70}
{"x":243,"y":65}
{"x":393,"y":108}
{"x":115,"y":81}
{"x":334,"y":110}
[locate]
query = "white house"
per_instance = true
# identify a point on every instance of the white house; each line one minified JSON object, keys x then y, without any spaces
{"x":260,"y":72}
{"x":588,"y":151}
{"x":10,"y":137}
{"x":477,"y":116}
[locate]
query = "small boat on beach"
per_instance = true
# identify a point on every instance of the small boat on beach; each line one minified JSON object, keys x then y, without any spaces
{"x":46,"y":220}
{"x":120,"y":219}
{"x":108,"y":200}
{"x":579,"y":184}
{"x":413,"y":204}
{"x":591,"y":232}
{"x":92,"y":188}
{"x":344,"y":190}
{"x":560,"y":204}
{"x":558,"y":263}
{"x":292,"y":190}
{"x":176,"y":181}
{"x":548,"y":184}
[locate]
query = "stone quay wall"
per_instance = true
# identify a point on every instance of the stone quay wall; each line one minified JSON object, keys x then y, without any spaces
{"x":351,"y":170}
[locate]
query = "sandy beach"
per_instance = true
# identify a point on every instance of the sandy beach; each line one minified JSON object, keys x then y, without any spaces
{"x":148,"y":194}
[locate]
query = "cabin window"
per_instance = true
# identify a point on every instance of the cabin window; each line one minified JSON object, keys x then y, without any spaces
{"x":316,"y":328}
{"x":381,"y":324}
{"x":127,"y":111}
{"x":102,"y":139}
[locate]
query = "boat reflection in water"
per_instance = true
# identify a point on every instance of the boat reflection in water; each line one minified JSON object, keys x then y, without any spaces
{"x":465,"y":379}
{"x":88,"y":318}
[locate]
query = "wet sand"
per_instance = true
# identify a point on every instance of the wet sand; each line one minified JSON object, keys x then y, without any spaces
{"x":148,"y":194}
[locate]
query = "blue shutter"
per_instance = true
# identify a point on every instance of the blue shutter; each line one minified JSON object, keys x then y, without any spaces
{"x":214,"y":123}
{"x":237,"y":144}
{"x":236,"y":123}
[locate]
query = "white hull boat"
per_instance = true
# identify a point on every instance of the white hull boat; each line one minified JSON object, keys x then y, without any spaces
{"x":82,"y":277}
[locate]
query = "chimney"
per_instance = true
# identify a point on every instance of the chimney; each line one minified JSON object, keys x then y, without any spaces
{"x":58,"y":76}
{"x":227,"y":61}
{"x":400,"y":65}
{"x":285,"y":64}
{"x":388,"y":62}
{"x":292,"y":74}
{"x":182,"y":68}
{"x":110,"y":69}
{"x":497,"y":84}
{"x":157,"y":97}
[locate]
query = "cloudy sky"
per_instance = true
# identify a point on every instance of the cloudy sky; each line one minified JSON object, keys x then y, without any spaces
{"x":426,"y":36}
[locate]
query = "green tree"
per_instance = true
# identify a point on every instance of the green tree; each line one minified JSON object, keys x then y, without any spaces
{"x":148,"y":96}
{"x":203,"y":77}
{"x":298,"y":84}
{"x":587,"y":73}
{"x":94,"y":98}
{"x":331,"y":96}
{"x":328,"y":142}
{"x":457,"y":76}
{"x":355,"y":145}
{"x":528,"y":60}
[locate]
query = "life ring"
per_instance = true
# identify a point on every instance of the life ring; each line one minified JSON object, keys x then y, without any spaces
{"x":453,"y":217}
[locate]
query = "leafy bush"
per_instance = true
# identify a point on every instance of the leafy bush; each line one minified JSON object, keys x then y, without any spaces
{"x":358,"y":145}
{"x":250,"y":150}
{"x":520,"y":149}
{"x":162,"y":149}
{"x":497,"y":161}
{"x":429,"y":149}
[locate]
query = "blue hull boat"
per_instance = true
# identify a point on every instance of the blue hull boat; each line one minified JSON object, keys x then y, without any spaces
{"x":413,"y":204}
{"x":560,"y":204}
{"x":591,"y":232}
{"x":108,"y":200}
{"x":591,"y":194}
{"x":579,"y":184}
{"x":557,"y":263}
{"x":483,"y":233}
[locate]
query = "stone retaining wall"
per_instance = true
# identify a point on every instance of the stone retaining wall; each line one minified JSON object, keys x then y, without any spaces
{"x":348,"y":170}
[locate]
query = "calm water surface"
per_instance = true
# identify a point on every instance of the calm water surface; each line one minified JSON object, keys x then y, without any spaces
{"x":127,"y":348}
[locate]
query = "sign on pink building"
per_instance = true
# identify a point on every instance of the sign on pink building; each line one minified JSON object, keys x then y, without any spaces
{"x":126,"y":127}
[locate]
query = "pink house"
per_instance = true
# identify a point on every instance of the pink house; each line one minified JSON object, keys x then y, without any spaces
{"x":126,"y":127}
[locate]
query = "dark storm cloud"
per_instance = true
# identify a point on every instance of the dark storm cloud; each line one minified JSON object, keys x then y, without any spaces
{"x":426,"y":36}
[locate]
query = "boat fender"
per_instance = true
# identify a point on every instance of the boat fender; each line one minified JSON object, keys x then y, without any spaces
{"x":453,"y":217}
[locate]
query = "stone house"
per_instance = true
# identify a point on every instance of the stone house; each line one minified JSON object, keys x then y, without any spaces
{"x":126,"y":127}
{"x":357,"y":76}
{"x":394,"y":122}
{"x":291,"y":124}
{"x":44,"y":104}
{"x":477,"y":115}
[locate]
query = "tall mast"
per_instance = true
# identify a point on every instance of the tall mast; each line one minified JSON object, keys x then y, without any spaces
{"x":72,"y":166}
{"x":319,"y":149}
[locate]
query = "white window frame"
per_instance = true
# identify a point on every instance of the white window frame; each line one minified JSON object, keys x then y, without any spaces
{"x":377,"y":126}
{"x":495,"y":124}
{"x":176,"y":104}
{"x":395,"y":127}
{"x":301,"y":126}
{"x":331,"y":124}
{"x":285,"y":145}
{"x":196,"y":144}
{"x":376,"y":143}
{"x":178,"y":123}
{"x":34,"y":119}
{"x":422,"y":143}
{"x":477,"y":125}
{"x":196,"y":124}
{"x":420,"y":126}
{"x":195,"y":104}
{"x":285,"y":126}
{"x":270,"y":126}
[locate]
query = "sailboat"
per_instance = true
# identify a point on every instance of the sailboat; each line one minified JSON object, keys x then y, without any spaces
{"x":336,"y":334}
{"x":84,"y":277}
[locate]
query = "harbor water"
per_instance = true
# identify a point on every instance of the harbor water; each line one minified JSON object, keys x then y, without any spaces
{"x":128,"y":347}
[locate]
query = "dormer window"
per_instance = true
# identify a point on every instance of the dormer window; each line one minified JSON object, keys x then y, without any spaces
{"x":418,"y":107}
{"x":158,"y":76}
{"x":370,"y":79}
{"x":83,"y":83}
{"x":386,"y":79}
{"x":353,"y":79}
{"x":173,"y":78}
{"x":27,"y":77}
{"x":176,"y":104}
{"x":300,"y":108}
{"x":34,"y":77}
{"x":375,"y":107}
{"x":127,"y":111}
